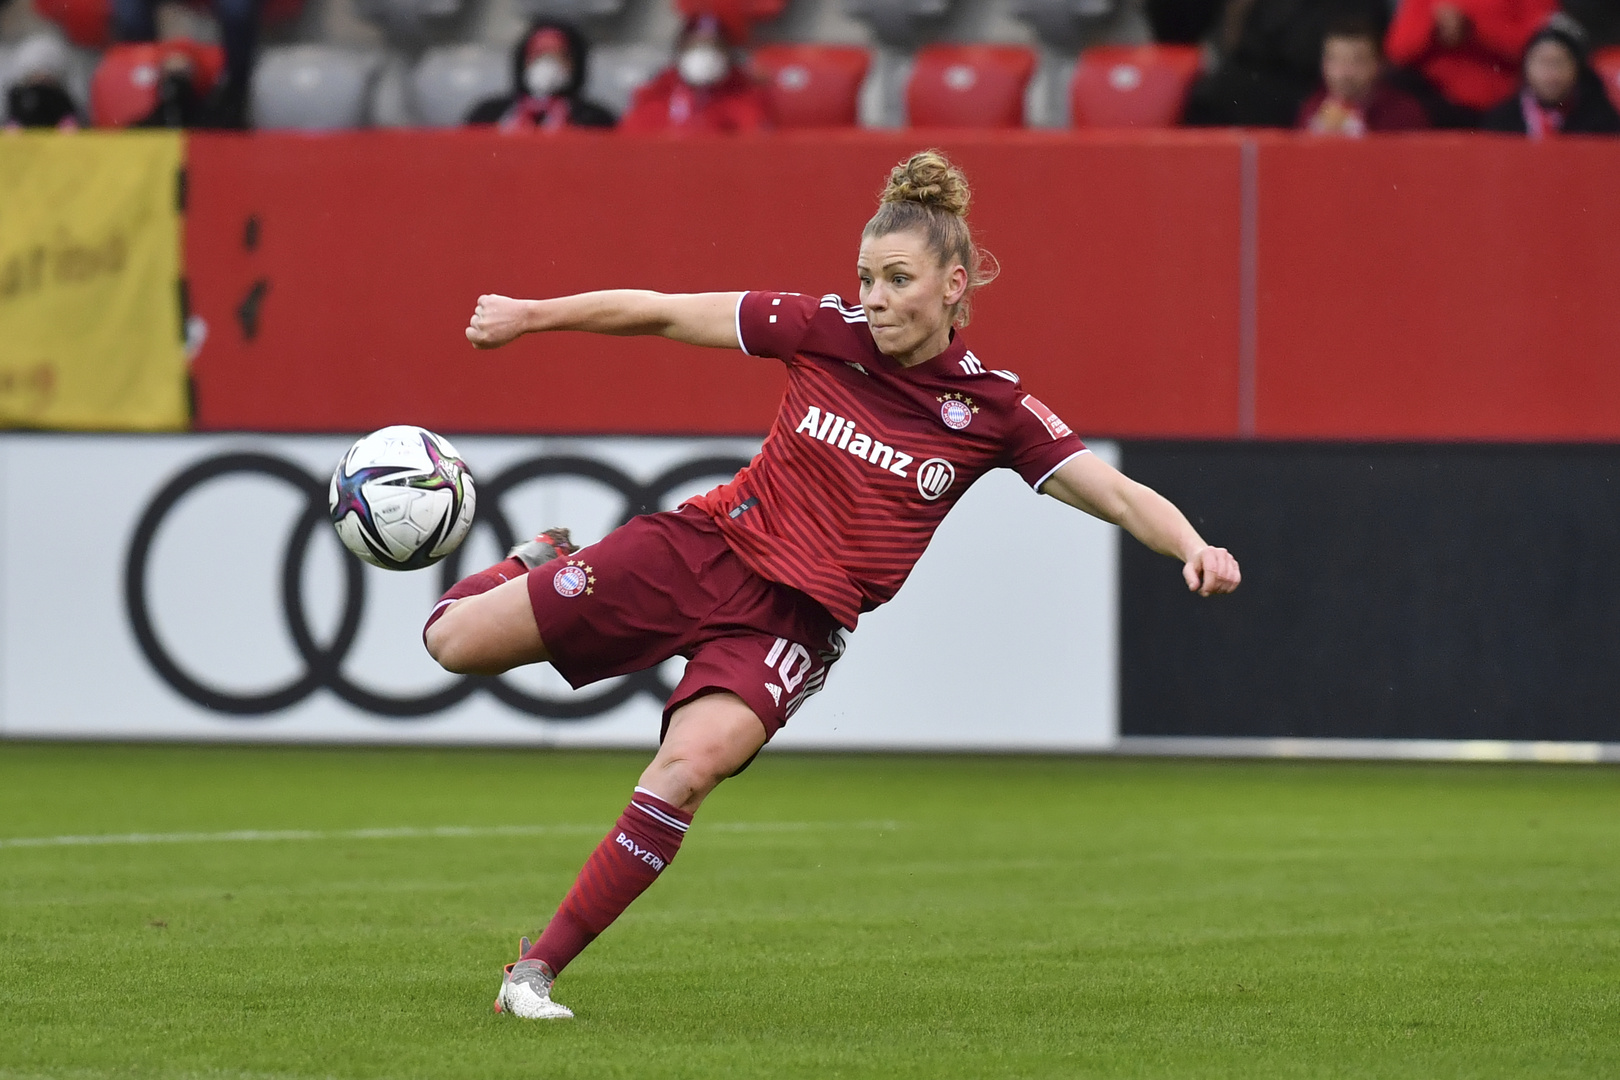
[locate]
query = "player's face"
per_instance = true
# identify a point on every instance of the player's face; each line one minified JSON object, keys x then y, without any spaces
{"x":907,"y":295}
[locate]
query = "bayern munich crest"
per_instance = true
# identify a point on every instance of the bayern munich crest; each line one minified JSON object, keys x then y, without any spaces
{"x":957,"y":411}
{"x":573,"y":579}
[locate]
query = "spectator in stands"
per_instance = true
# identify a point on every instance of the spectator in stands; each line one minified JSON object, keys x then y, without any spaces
{"x":1461,"y":57}
{"x":38,"y":96}
{"x":1561,"y":94}
{"x":1354,"y":98}
{"x":1271,"y":59}
{"x":703,"y":91}
{"x":548,"y":71}
{"x":135,"y":20}
{"x":179,"y":105}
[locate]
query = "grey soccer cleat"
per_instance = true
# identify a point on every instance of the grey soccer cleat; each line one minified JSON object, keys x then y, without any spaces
{"x":526,"y":991}
{"x":543,"y":548}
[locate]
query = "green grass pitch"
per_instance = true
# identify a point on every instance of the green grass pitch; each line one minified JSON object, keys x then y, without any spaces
{"x":929,"y":917}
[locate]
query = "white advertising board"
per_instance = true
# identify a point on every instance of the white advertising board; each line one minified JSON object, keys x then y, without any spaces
{"x":188,"y":587}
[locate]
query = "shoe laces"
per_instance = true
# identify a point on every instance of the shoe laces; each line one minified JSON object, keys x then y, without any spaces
{"x":535,"y":975}
{"x":559,"y":539}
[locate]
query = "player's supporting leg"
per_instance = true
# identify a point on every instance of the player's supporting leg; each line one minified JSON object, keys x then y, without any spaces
{"x":489,"y":637}
{"x":709,"y":739}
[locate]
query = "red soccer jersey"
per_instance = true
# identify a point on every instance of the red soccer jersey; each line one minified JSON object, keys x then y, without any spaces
{"x":866,"y":457}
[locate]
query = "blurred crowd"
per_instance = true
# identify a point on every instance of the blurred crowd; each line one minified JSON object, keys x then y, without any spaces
{"x":1354,"y":66}
{"x":1331,"y":67}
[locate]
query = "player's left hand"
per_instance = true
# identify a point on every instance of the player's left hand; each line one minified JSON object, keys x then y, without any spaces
{"x":1212,"y":571}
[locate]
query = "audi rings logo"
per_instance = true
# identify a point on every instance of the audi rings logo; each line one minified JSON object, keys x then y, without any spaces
{"x":323,"y":663}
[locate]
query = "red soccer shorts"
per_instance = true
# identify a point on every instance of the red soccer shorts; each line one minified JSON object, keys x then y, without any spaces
{"x":666,"y":585}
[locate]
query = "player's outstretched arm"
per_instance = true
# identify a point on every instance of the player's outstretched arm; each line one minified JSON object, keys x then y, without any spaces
{"x":696,"y":318}
{"x":1091,"y":484}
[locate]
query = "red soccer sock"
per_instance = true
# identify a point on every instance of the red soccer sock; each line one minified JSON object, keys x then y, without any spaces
{"x":635,"y":851}
{"x":481,"y":582}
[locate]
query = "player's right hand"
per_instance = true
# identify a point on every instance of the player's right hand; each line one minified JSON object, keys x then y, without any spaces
{"x":1212,"y":572}
{"x":495,"y":321}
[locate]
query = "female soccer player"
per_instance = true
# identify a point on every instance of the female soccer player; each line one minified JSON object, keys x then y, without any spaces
{"x":887,"y":420}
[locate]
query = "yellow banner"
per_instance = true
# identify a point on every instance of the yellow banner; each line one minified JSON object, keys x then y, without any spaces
{"x":90,"y":334}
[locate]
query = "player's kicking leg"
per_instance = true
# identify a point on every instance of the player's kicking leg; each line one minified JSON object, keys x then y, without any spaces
{"x":642,"y":595}
{"x":473,"y":632}
{"x":709,"y":739}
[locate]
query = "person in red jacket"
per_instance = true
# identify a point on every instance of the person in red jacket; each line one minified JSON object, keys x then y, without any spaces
{"x":1354,"y":99}
{"x":1462,"y":56}
{"x":704,"y":91}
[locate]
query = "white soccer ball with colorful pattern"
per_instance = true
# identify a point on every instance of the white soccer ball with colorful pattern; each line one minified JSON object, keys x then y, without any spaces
{"x":402,"y":498}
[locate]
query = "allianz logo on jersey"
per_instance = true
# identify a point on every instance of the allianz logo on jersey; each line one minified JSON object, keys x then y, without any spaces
{"x":934,"y":476}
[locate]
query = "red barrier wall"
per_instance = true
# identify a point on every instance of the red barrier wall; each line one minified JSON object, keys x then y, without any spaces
{"x":1439,"y":288}
{"x":1427,"y":287}
{"x":375,"y":247}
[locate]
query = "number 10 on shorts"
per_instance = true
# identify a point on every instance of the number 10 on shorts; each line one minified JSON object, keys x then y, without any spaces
{"x":793,"y":666}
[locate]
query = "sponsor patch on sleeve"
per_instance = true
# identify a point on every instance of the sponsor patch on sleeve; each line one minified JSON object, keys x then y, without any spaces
{"x":1054,"y":423}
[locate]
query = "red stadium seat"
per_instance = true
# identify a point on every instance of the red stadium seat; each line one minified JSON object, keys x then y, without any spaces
{"x":1117,"y":86}
{"x":808,"y":86}
{"x":961,"y":86}
{"x":1607,"y":62}
{"x":125,"y":85}
{"x":85,"y":22}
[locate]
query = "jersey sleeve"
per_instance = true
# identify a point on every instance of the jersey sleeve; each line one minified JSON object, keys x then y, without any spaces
{"x":1038,"y":441}
{"x":773,"y":323}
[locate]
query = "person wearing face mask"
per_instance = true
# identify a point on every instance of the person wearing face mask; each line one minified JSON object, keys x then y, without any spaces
{"x":38,"y":96}
{"x":548,"y":68}
{"x":1561,"y":94}
{"x":704,"y":91}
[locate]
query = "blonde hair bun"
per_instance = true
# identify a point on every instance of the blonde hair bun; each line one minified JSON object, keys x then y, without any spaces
{"x":929,"y":195}
{"x":928,"y":179}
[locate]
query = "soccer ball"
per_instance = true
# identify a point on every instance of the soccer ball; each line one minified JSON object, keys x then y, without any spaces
{"x":402,"y":498}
